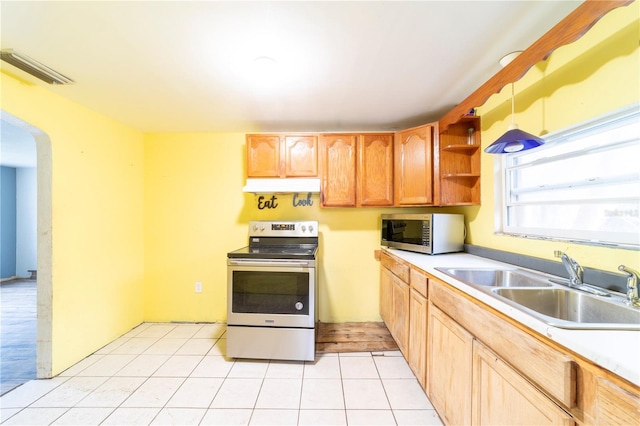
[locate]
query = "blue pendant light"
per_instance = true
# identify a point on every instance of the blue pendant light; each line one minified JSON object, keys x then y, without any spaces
{"x":514,"y":140}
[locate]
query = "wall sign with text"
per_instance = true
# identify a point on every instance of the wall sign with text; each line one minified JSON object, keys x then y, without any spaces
{"x":271,"y":202}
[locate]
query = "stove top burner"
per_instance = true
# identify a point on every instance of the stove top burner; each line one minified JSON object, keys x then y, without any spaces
{"x":307,"y":253}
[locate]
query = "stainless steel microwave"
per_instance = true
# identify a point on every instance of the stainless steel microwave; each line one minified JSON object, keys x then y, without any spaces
{"x":431,"y":233}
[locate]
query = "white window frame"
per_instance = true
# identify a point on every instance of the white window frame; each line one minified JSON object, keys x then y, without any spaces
{"x":502,"y":190}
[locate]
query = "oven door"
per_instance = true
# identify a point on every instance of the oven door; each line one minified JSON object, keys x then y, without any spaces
{"x":270,"y":293}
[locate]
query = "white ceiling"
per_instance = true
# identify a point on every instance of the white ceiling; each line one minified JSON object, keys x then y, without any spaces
{"x":188,"y":66}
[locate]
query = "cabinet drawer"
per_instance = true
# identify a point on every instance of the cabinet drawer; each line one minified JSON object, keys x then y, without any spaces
{"x":419,"y":281}
{"x":548,"y":369}
{"x":501,"y":396}
{"x":614,"y":405}
{"x":399,"y":268}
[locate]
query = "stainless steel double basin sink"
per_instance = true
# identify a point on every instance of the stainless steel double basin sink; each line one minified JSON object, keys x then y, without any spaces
{"x":542,"y":297}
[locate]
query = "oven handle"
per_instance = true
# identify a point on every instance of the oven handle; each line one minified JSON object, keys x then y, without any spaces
{"x":270,"y":262}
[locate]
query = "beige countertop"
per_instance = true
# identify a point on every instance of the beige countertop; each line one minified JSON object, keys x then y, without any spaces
{"x":616,"y":351}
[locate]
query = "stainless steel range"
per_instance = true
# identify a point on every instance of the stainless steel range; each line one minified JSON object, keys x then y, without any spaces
{"x":272,"y":292}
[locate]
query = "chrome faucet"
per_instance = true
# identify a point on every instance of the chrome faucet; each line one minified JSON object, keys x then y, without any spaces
{"x":573,"y":268}
{"x":632,"y":285}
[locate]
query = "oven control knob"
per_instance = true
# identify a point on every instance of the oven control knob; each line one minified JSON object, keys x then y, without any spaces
{"x":261,"y":227}
{"x":304,"y":228}
{"x":299,"y":306}
{"x":310,"y":228}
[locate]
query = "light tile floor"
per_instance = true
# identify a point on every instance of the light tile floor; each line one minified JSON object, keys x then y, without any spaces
{"x":178,"y":374}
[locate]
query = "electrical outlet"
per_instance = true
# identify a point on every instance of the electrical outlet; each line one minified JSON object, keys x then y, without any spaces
{"x":198,"y":287}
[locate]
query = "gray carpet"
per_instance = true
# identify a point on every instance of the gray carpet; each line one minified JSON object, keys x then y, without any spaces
{"x":18,"y":304}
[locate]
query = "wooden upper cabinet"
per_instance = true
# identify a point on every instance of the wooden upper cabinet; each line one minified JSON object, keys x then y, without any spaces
{"x":357,"y":170}
{"x":375,"y":170}
{"x":414,"y":166}
{"x":263,"y":155}
{"x":282,"y":156}
{"x":301,"y":156}
{"x":338,"y":164}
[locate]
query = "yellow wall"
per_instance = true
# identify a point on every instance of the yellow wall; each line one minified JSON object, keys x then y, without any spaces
{"x":195,"y":213}
{"x":138,"y":219}
{"x":97,"y":205}
{"x":596,"y":74}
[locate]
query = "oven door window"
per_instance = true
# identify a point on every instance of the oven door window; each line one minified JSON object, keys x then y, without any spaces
{"x":260,"y":292}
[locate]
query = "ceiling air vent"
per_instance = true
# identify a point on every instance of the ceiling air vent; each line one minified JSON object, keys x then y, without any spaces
{"x":33,"y":67}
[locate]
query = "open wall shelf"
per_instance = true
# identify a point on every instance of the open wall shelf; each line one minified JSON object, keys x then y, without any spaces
{"x":459,"y":167}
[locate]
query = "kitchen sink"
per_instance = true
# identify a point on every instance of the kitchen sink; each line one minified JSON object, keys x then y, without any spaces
{"x":567,"y":308}
{"x":550,"y":299}
{"x":497,"y":277}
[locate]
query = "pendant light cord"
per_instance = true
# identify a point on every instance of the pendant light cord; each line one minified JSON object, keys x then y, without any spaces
{"x":513,"y":101}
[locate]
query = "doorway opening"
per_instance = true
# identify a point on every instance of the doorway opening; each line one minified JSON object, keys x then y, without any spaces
{"x":38,"y":297}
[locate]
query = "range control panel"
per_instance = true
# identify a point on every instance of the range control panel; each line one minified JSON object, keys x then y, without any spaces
{"x":305,"y":228}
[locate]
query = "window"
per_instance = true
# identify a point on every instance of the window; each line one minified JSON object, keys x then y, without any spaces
{"x":583,"y":185}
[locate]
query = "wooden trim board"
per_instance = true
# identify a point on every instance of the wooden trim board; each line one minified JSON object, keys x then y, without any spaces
{"x":354,"y":337}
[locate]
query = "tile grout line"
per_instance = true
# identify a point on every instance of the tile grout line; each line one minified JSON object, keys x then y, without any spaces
{"x":344,"y":397}
{"x":384,"y":389}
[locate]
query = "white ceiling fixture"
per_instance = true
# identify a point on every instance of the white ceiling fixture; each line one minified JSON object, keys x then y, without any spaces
{"x":33,"y":67}
{"x":181,"y":66}
{"x":265,"y":76}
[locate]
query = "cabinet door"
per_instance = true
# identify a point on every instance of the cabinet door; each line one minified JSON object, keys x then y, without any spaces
{"x":449,"y":367}
{"x":386,"y":296}
{"x":301,"y":156}
{"x":263,"y":155}
{"x":413,"y":166}
{"x":375,"y":170}
{"x":418,"y":336}
{"x":614,"y":405}
{"x":400,"y":321}
{"x":501,"y":396}
{"x":338,"y":153}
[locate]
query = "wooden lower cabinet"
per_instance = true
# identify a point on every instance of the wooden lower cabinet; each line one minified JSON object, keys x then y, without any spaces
{"x":614,"y":405}
{"x":418,"y":336}
{"x":386,"y":296}
{"x":394,"y":299}
{"x":484,"y":368}
{"x":400,"y":322}
{"x":500,"y":396}
{"x":449,"y":368}
{"x":394,"y":308}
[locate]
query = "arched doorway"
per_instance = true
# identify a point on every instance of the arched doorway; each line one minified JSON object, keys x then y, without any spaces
{"x":43,"y":244}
